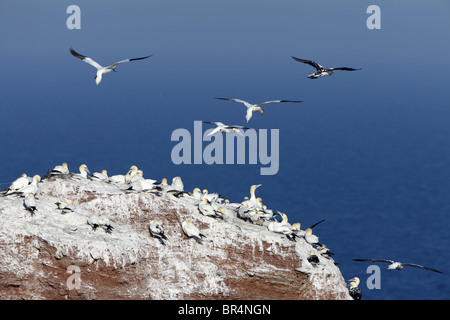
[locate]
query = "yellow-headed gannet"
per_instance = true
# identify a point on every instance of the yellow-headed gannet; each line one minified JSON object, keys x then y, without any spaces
{"x":65,"y":206}
{"x":220,"y":127}
{"x":321,"y":71}
{"x":18,"y":184}
{"x":83,"y":172}
{"x":311,"y":238}
{"x":192,"y":231}
{"x":132,"y":174}
{"x":211,"y":197}
{"x":102,"y":70}
{"x":313,"y":258}
{"x":197,"y":194}
{"x":396,"y":265}
{"x":30,"y":203}
{"x":207,"y":209}
{"x":32,"y":187}
{"x":353,"y":289}
{"x":255,"y":107}
{"x":100,"y":176}
{"x":62,"y":169}
{"x":252,"y":201}
{"x":324,"y":251}
{"x":157,"y":231}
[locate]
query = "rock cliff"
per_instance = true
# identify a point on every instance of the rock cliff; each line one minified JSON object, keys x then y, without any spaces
{"x":59,"y":256}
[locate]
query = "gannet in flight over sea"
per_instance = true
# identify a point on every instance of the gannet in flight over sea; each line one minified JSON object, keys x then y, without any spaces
{"x":102,"y":70}
{"x":353,"y":289}
{"x":192,"y":231}
{"x":157,"y":231}
{"x":255,"y":107}
{"x":225,"y":128}
{"x":396,"y":265}
{"x":321,"y":71}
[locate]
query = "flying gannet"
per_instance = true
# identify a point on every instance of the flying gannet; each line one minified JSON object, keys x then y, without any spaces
{"x":396,"y":265}
{"x":321,"y":71}
{"x":102,"y":70}
{"x":30,"y":203}
{"x":353,"y":289}
{"x":157,"y":231}
{"x":192,"y":231}
{"x":220,"y":127}
{"x":255,"y":107}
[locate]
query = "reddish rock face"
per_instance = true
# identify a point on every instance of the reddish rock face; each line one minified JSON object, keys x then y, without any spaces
{"x":237,"y":259}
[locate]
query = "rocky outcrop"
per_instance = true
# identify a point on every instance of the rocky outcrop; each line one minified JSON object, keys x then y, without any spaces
{"x":59,"y":256}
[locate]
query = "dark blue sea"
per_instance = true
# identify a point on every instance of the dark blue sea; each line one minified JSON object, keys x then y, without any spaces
{"x":369,"y":151}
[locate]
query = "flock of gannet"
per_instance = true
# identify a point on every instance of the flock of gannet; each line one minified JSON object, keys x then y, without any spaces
{"x":213,"y":205}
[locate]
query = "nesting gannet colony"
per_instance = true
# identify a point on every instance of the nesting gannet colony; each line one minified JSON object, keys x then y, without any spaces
{"x":174,"y":243}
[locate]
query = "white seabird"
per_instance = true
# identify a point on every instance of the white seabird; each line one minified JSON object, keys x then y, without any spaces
{"x":65,"y":206}
{"x":157,"y":231}
{"x":321,"y":71}
{"x":353,"y":289}
{"x":252,"y":202}
{"x":393,"y":265}
{"x":83,"y":172}
{"x":30,"y":188}
{"x":102,"y":70}
{"x":255,"y":107}
{"x":60,"y":169}
{"x":30,"y":203}
{"x":18,"y":184}
{"x":102,"y":221}
{"x":313,"y":258}
{"x":207,"y":209}
{"x":100,"y":176}
{"x":192,"y":231}
{"x":220,"y":127}
{"x":311,"y":238}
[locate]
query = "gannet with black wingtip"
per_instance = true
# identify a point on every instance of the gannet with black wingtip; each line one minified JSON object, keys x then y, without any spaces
{"x":18,"y":184}
{"x":321,"y":71}
{"x":103,"y":222}
{"x":283,"y":227}
{"x":102,"y":70}
{"x":192,"y":231}
{"x":313,"y":258}
{"x":83,"y":172}
{"x":256,"y":107}
{"x":30,"y":203}
{"x":100,"y":176}
{"x":220,"y":127}
{"x":65,"y":206}
{"x":311,"y":238}
{"x":353,"y":289}
{"x":393,"y":265}
{"x":157,"y":231}
{"x":93,"y":221}
{"x":30,"y":188}
{"x":60,"y":169}
{"x":207,"y":209}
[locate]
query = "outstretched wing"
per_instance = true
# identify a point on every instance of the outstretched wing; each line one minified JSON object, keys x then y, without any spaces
{"x":248,"y":105}
{"x":317,"y":223}
{"x":127,"y":60}
{"x":345,"y":69}
{"x":276,"y":101}
{"x":311,"y":63}
{"x":374,"y":260}
{"x":85,"y":59}
{"x":418,"y":266}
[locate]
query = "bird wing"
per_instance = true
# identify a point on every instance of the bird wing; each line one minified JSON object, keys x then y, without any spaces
{"x":317,"y":223}
{"x":276,"y":101}
{"x":311,"y":63}
{"x":344,"y":68}
{"x":374,"y":260}
{"x":418,"y":266}
{"x":127,"y":60}
{"x":85,"y":59}
{"x":248,"y":105}
{"x":219,"y":124}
